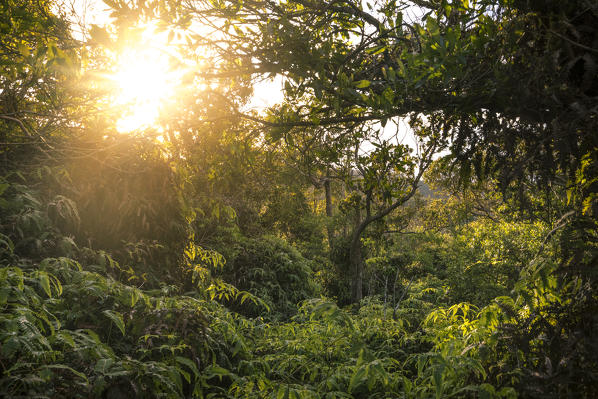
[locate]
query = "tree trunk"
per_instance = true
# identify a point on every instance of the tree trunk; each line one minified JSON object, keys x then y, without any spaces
{"x":329,"y":229}
{"x":357,"y":266}
{"x":356,"y":259}
{"x":355,"y":255}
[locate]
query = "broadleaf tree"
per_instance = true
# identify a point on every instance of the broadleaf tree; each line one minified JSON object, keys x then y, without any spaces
{"x":511,"y":83}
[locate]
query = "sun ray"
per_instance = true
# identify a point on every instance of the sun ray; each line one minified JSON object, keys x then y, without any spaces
{"x":144,"y":79}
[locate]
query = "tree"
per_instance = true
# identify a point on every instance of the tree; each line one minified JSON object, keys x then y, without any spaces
{"x":513,"y":83}
{"x":344,"y":65}
{"x":378,"y":173}
{"x":388,"y":176}
{"x":39,"y":60}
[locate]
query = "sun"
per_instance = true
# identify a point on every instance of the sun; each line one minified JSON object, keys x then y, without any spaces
{"x":144,"y":80}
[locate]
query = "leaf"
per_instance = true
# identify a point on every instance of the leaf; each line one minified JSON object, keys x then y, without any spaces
{"x":3,"y":187}
{"x":23,"y":49}
{"x":407,"y":385}
{"x":283,"y":392}
{"x":363,"y":84}
{"x":189,"y":363}
{"x":216,"y":371}
{"x":111,"y":3}
{"x":4,"y":291}
{"x":117,"y":318}
{"x":438,"y":380}
{"x":44,"y":281}
{"x":64,"y":367}
{"x":432,"y":26}
{"x":103,"y":365}
{"x":357,"y":379}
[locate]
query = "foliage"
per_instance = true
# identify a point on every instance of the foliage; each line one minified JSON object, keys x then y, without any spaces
{"x":486,"y":259}
{"x":325,"y":352}
{"x":270,"y":269}
{"x":68,"y":330}
{"x":128,"y":205}
{"x":189,"y":266}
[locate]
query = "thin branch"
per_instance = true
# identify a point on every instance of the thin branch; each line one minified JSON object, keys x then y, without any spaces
{"x":20,"y":123}
{"x":551,"y":232}
{"x":352,"y":10}
{"x":321,"y":122}
{"x":573,"y":42}
{"x":394,"y":311}
{"x":402,"y":232}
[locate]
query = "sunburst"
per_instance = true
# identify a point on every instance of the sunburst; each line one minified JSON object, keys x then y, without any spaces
{"x":145,"y":78}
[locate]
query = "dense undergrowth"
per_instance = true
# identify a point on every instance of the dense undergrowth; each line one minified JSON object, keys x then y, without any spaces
{"x":73,"y":325}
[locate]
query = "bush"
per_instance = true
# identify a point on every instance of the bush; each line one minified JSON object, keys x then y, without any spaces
{"x":271,"y":269}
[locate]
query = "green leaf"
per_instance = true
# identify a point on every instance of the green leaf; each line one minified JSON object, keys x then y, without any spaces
{"x":358,"y":378}
{"x":189,"y":363}
{"x":117,"y":318}
{"x":438,"y":381}
{"x":283,"y":392}
{"x":216,"y":371}
{"x":23,"y":49}
{"x":363,"y":84}
{"x":3,"y":187}
{"x":66,"y":337}
{"x":44,"y":281}
{"x":4,"y":291}
{"x":103,"y":365}
{"x":64,"y":367}
{"x":432,"y":26}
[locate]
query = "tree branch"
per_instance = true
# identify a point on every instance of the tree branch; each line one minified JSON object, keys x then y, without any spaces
{"x":352,"y":10}
{"x":19,"y":122}
{"x":321,"y":122}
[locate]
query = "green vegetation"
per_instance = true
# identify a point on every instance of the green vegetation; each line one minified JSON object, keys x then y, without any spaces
{"x":302,"y":250}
